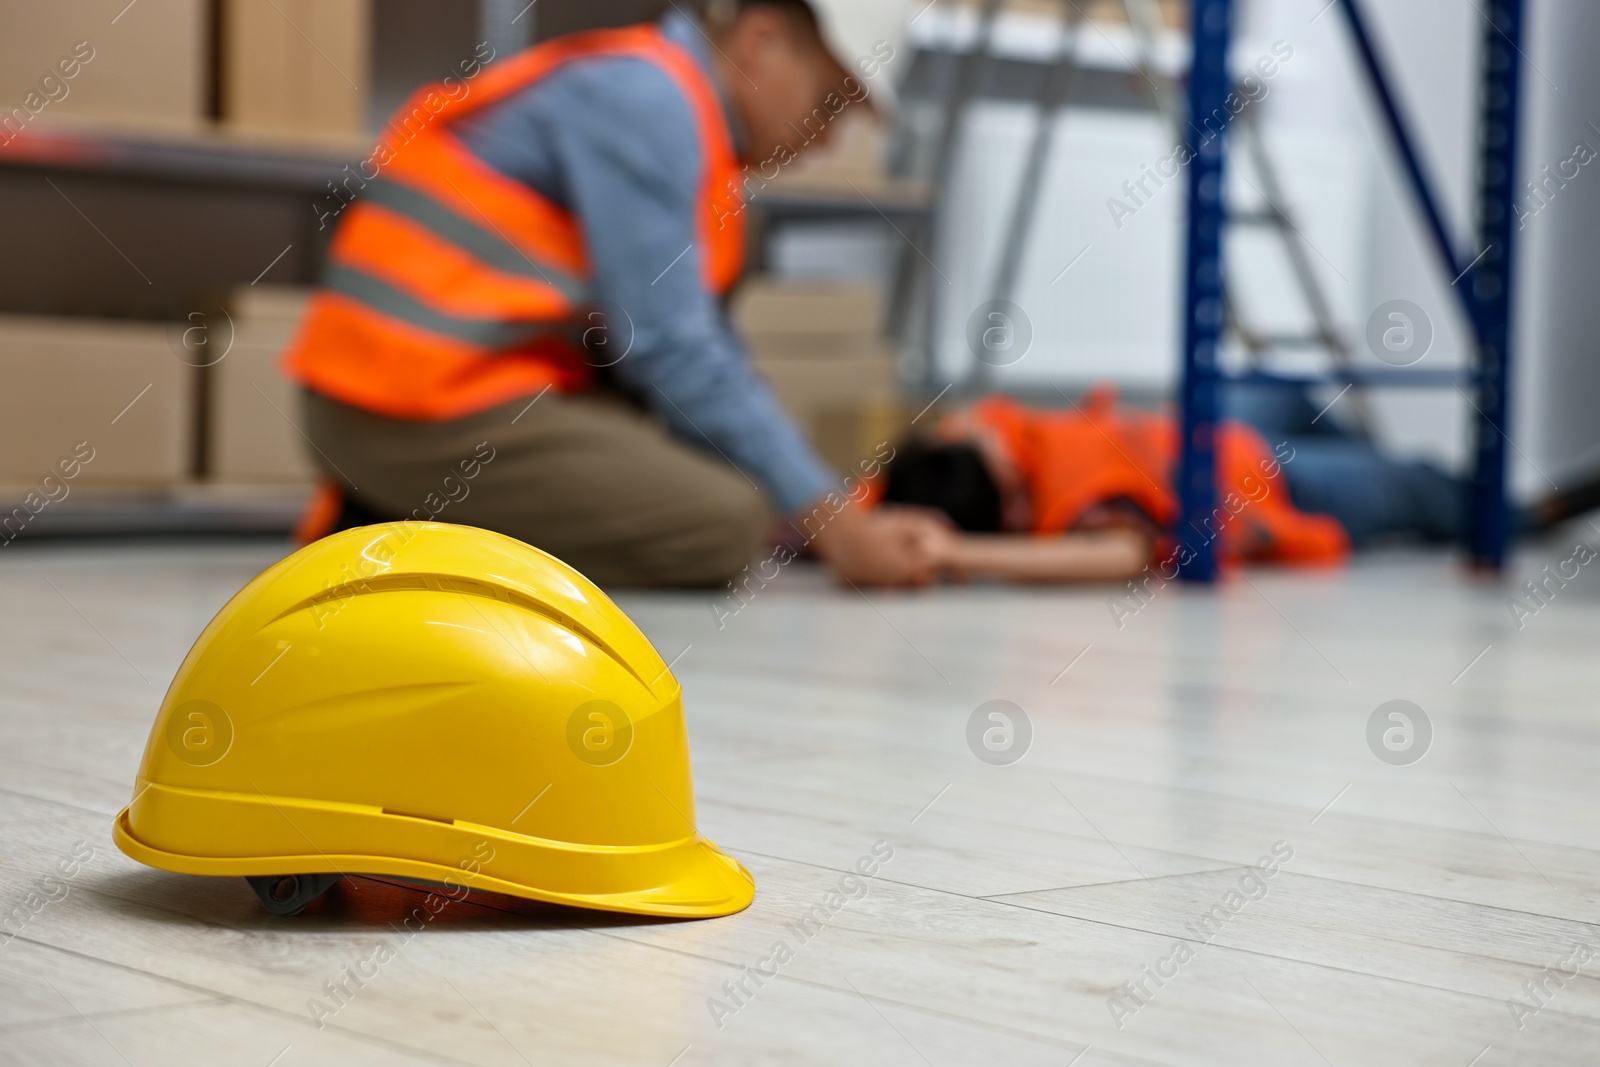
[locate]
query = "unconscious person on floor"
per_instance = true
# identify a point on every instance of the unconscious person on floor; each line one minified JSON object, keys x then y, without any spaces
{"x":1084,"y":493}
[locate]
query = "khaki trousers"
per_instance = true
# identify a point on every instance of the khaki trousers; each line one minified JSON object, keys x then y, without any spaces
{"x":586,"y":477}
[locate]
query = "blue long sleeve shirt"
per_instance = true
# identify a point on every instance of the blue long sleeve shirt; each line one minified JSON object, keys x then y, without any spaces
{"x":612,"y":140}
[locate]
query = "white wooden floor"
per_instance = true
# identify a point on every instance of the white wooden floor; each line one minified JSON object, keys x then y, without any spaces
{"x":1173,"y":754}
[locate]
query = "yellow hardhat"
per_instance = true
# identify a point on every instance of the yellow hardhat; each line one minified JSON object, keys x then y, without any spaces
{"x":434,"y":702}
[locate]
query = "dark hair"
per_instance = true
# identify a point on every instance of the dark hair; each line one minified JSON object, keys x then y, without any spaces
{"x":801,"y":9}
{"x":950,"y":477}
{"x":800,"y":12}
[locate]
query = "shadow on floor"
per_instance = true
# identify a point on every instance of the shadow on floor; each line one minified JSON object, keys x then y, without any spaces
{"x":355,"y":903}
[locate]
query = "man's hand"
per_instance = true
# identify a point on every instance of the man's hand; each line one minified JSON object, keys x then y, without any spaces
{"x":886,"y":546}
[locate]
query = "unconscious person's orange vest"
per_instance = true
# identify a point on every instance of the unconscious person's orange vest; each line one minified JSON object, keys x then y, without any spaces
{"x":451,"y":287}
{"x":1073,"y":461}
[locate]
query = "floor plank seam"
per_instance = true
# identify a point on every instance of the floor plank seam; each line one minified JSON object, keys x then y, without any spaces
{"x":1114,"y":881}
{"x":923,"y":1009}
{"x":671,"y":950}
{"x":1230,"y":948}
{"x":1067,"y":834}
{"x":1223,"y":864}
{"x":1289,"y":809}
{"x":1268,"y":955}
{"x":218,"y":997}
{"x":56,"y":1021}
{"x":75,"y":809}
{"x":1308,"y":963}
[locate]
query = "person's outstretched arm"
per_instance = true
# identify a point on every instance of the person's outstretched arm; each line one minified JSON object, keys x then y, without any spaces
{"x":1100,"y":556}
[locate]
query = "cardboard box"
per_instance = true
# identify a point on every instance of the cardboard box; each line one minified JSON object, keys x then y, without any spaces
{"x":851,"y":166}
{"x":806,"y":385}
{"x":847,"y":346}
{"x":296,"y":66}
{"x":255,"y":410}
{"x":866,"y":430}
{"x":831,"y":398}
{"x":143,"y":66}
{"x":116,"y":386}
{"x":765,"y":306}
{"x":821,"y":346}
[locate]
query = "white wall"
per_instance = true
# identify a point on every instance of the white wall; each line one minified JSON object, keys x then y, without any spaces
{"x":1433,"y":48}
{"x":1113,"y":313}
{"x":1558,"y":387}
{"x":1430,"y":48}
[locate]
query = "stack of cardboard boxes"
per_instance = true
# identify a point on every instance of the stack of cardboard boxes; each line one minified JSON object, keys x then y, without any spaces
{"x":112,"y":424}
{"x":294,"y":69}
{"x":108,"y":387}
{"x":254,"y":435}
{"x":823,"y":343}
{"x":156,"y":422}
{"x":106,"y":397}
{"x":821,"y":346}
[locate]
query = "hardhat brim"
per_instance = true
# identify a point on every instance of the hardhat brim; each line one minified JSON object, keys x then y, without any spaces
{"x":688,"y":878}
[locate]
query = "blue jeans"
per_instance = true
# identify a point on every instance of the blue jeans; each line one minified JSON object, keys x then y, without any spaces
{"x":1336,"y":473}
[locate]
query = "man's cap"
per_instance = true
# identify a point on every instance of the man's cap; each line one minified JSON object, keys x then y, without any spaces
{"x":865,"y":37}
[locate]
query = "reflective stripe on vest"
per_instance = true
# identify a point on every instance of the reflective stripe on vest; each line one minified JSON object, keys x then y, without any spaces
{"x":387,"y":299}
{"x":483,"y":242}
{"x":451,"y":287}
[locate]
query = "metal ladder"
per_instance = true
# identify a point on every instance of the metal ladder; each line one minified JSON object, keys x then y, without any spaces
{"x":1324,"y":334}
{"x":1143,"y":18}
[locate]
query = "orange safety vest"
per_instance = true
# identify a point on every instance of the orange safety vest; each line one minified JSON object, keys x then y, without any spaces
{"x":1072,"y":461}
{"x":450,"y":287}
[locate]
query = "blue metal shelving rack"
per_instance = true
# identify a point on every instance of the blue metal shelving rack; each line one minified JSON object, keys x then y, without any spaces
{"x":1483,"y":281}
